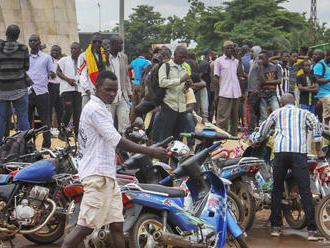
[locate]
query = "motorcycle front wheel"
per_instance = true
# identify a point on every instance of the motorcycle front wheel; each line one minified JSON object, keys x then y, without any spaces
{"x":238,"y":242}
{"x":236,"y":207}
{"x":141,"y":234}
{"x":51,"y":232}
{"x":322,"y":216}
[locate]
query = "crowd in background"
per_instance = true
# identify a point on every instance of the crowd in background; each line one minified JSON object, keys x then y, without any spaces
{"x":235,"y":89}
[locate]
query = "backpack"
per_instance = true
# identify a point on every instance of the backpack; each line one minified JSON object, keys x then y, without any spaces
{"x":323,"y":69}
{"x":156,"y":93}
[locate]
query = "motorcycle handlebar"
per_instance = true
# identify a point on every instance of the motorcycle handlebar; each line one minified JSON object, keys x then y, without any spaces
{"x":164,"y":142}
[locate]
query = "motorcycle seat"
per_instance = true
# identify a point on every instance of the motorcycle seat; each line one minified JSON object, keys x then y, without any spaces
{"x":221,"y":163}
{"x":160,"y":190}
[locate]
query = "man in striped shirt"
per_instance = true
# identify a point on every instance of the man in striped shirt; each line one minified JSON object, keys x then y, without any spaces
{"x":290,"y":150}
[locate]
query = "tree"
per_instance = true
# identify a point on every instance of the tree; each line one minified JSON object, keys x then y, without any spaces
{"x":143,"y":27}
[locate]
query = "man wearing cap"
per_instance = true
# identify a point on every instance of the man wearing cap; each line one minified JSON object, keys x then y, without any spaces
{"x":230,"y":89}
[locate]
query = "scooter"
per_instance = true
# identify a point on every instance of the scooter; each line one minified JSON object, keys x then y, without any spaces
{"x":162,"y":219}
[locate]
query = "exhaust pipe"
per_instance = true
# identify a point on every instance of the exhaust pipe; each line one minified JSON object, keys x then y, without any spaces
{"x":175,"y":240}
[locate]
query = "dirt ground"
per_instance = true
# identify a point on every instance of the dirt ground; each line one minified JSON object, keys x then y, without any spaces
{"x":258,"y":237}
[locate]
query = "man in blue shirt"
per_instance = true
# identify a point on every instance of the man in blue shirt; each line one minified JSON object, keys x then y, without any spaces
{"x":322,"y":75}
{"x":41,"y":67}
{"x":138,"y":65}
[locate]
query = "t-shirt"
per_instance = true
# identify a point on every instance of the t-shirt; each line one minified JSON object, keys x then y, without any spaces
{"x":306,"y":98}
{"x":69,"y":69}
{"x":324,"y":89}
{"x":138,"y":65}
{"x":271,"y":72}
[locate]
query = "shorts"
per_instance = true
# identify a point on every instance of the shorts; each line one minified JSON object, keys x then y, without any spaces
{"x":326,"y":106}
{"x":101,"y":203}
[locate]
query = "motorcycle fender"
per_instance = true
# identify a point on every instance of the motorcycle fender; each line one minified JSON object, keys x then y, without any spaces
{"x":131,"y":216}
{"x":232,"y":225}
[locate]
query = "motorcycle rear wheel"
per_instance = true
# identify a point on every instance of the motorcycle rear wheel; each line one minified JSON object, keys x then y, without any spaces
{"x":248,"y":204}
{"x":322,"y":217}
{"x":294,"y":213}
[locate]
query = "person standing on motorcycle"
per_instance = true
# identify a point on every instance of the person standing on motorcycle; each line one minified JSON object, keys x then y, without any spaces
{"x":101,"y":203}
{"x":290,"y":149}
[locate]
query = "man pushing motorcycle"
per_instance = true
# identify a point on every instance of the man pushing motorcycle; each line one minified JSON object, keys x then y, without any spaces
{"x":290,"y":151}
{"x":98,"y":139}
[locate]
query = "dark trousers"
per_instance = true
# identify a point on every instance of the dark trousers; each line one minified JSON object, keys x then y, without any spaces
{"x":298,"y":164}
{"x":41,"y":102}
{"x":254,"y":101}
{"x":72,"y":107}
{"x":212,"y":106}
{"x":171,"y":123}
{"x":55,"y":102}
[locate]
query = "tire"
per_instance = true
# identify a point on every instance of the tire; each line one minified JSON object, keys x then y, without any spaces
{"x":322,"y":215}
{"x":238,"y":242}
{"x":236,"y":207}
{"x":248,"y":203}
{"x":55,"y":231}
{"x":55,"y":227}
{"x":134,"y":237}
{"x":294,"y":213}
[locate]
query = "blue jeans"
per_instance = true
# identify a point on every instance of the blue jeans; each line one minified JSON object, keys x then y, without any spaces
{"x":265,"y":102}
{"x":21,"y":106}
{"x":191,"y":123}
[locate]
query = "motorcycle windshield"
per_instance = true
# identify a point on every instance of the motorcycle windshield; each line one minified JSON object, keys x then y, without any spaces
{"x":38,"y":172}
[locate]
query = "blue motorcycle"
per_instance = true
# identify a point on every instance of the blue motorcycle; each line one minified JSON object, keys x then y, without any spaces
{"x":237,"y":170}
{"x":160,"y":217}
{"x":31,"y":201}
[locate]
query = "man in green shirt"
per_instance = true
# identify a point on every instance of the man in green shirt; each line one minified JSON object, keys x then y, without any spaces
{"x":173,"y":109}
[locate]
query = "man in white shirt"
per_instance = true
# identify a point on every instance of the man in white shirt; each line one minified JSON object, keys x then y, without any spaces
{"x":54,"y":87}
{"x":70,"y":91}
{"x":98,"y":139}
{"x":119,"y":66}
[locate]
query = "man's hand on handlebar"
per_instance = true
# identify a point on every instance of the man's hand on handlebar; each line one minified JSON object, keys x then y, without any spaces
{"x":158,"y":152}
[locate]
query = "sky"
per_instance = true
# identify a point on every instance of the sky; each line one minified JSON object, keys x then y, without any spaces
{"x":88,"y":10}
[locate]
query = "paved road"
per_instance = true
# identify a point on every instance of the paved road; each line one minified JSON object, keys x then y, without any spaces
{"x":258,"y":237}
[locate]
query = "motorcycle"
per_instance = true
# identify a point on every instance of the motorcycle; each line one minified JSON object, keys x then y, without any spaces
{"x":237,"y":170}
{"x":162,"y":219}
{"x":20,"y":148}
{"x":320,"y":190}
{"x":32,"y":200}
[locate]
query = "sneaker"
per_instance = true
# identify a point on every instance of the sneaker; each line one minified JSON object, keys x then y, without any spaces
{"x":314,"y":236}
{"x":275,"y":231}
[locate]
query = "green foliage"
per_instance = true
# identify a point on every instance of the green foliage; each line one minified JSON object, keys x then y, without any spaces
{"x":251,"y":22}
{"x":142,"y":28}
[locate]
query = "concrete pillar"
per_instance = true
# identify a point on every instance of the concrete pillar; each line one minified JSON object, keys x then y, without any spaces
{"x":55,"y":21}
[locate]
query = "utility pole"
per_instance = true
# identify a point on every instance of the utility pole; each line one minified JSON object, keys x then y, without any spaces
{"x":121,"y":20}
{"x":313,"y":23}
{"x":99,"y":5}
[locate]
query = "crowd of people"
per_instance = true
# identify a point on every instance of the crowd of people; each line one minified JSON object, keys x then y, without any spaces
{"x":236,"y":90}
